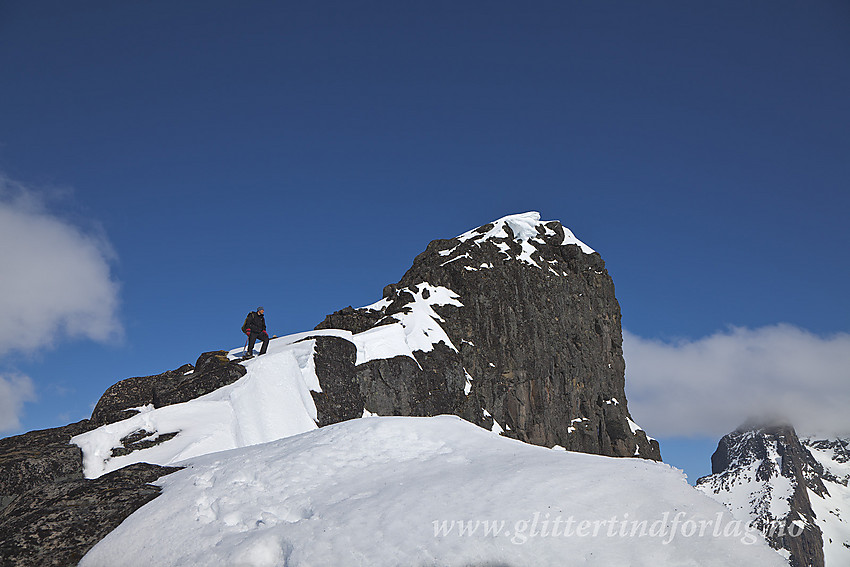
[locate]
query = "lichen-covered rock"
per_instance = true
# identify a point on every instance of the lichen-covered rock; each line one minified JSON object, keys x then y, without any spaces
{"x":354,"y":320}
{"x":39,"y":457}
{"x":56,"y":523}
{"x":533,"y":341}
{"x":49,"y":513}
{"x":212,"y":371}
{"x":343,"y":400}
{"x":117,"y":402}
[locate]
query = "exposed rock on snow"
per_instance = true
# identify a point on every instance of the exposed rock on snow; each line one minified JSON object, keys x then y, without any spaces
{"x":39,"y":457}
{"x":122,"y":400}
{"x":50,"y":514}
{"x":525,"y":310}
{"x":56,"y":523}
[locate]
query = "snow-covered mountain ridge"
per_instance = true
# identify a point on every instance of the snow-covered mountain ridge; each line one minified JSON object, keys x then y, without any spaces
{"x":239,"y":414}
{"x":832,"y":506}
{"x":794,"y":490}
{"x":425,"y":491}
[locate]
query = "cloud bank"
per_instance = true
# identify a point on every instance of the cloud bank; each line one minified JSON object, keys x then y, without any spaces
{"x":56,"y":281}
{"x":14,"y":391}
{"x":709,"y":386}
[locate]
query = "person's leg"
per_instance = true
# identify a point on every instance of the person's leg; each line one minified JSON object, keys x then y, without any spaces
{"x":265,"y":338}
{"x":252,"y":338}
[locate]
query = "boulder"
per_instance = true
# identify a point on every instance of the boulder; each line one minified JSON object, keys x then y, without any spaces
{"x":211,"y":371}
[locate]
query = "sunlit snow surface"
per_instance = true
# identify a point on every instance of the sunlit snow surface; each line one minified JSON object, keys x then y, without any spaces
{"x":271,"y":401}
{"x":391,"y":491}
{"x":525,"y":230}
{"x":524,"y":227}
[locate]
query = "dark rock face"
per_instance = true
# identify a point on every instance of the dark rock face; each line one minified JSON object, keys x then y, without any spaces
{"x":770,"y":459}
{"x":354,"y":320}
{"x":335,"y":357}
{"x":537,"y":338}
{"x":56,"y":523}
{"x":39,"y":457}
{"x":212,"y":371}
{"x":49,"y":513}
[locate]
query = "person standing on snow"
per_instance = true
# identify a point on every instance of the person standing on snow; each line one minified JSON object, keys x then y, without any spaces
{"x":255,"y":328}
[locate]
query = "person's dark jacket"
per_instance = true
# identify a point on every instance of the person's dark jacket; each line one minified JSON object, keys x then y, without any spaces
{"x":256,"y":322}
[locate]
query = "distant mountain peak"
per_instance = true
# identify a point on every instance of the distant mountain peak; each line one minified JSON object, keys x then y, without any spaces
{"x":795,"y":490}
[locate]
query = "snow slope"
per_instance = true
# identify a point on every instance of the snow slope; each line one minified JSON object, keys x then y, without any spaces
{"x":833,"y":509}
{"x":270,"y":402}
{"x":425,"y":491}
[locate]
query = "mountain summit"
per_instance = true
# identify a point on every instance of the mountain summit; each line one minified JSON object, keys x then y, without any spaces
{"x":794,"y":490}
{"x":513,"y":326}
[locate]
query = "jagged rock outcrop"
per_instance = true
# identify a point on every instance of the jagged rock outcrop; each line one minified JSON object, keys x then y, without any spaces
{"x":525,"y":337}
{"x":211,"y":371}
{"x":56,"y":523}
{"x":766,"y":477}
{"x":49,"y":513}
{"x":38,"y":458}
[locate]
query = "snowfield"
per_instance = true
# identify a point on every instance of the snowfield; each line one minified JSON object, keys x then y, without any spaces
{"x":271,"y":401}
{"x":397,"y":491}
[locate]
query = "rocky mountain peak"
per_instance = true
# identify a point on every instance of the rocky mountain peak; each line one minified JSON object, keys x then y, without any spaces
{"x":767,"y":476}
{"x":513,"y":326}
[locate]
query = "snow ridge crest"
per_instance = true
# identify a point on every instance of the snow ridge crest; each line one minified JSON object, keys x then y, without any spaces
{"x":524,"y":227}
{"x":521,"y":237}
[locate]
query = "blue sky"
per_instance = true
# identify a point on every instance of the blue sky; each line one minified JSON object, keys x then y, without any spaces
{"x":170,"y":166}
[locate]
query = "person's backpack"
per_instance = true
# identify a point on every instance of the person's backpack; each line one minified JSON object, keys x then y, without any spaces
{"x":245,"y":324}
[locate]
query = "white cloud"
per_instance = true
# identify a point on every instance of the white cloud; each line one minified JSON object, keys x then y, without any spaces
{"x":56,"y":281}
{"x":14,"y":391}
{"x":711,"y":385}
